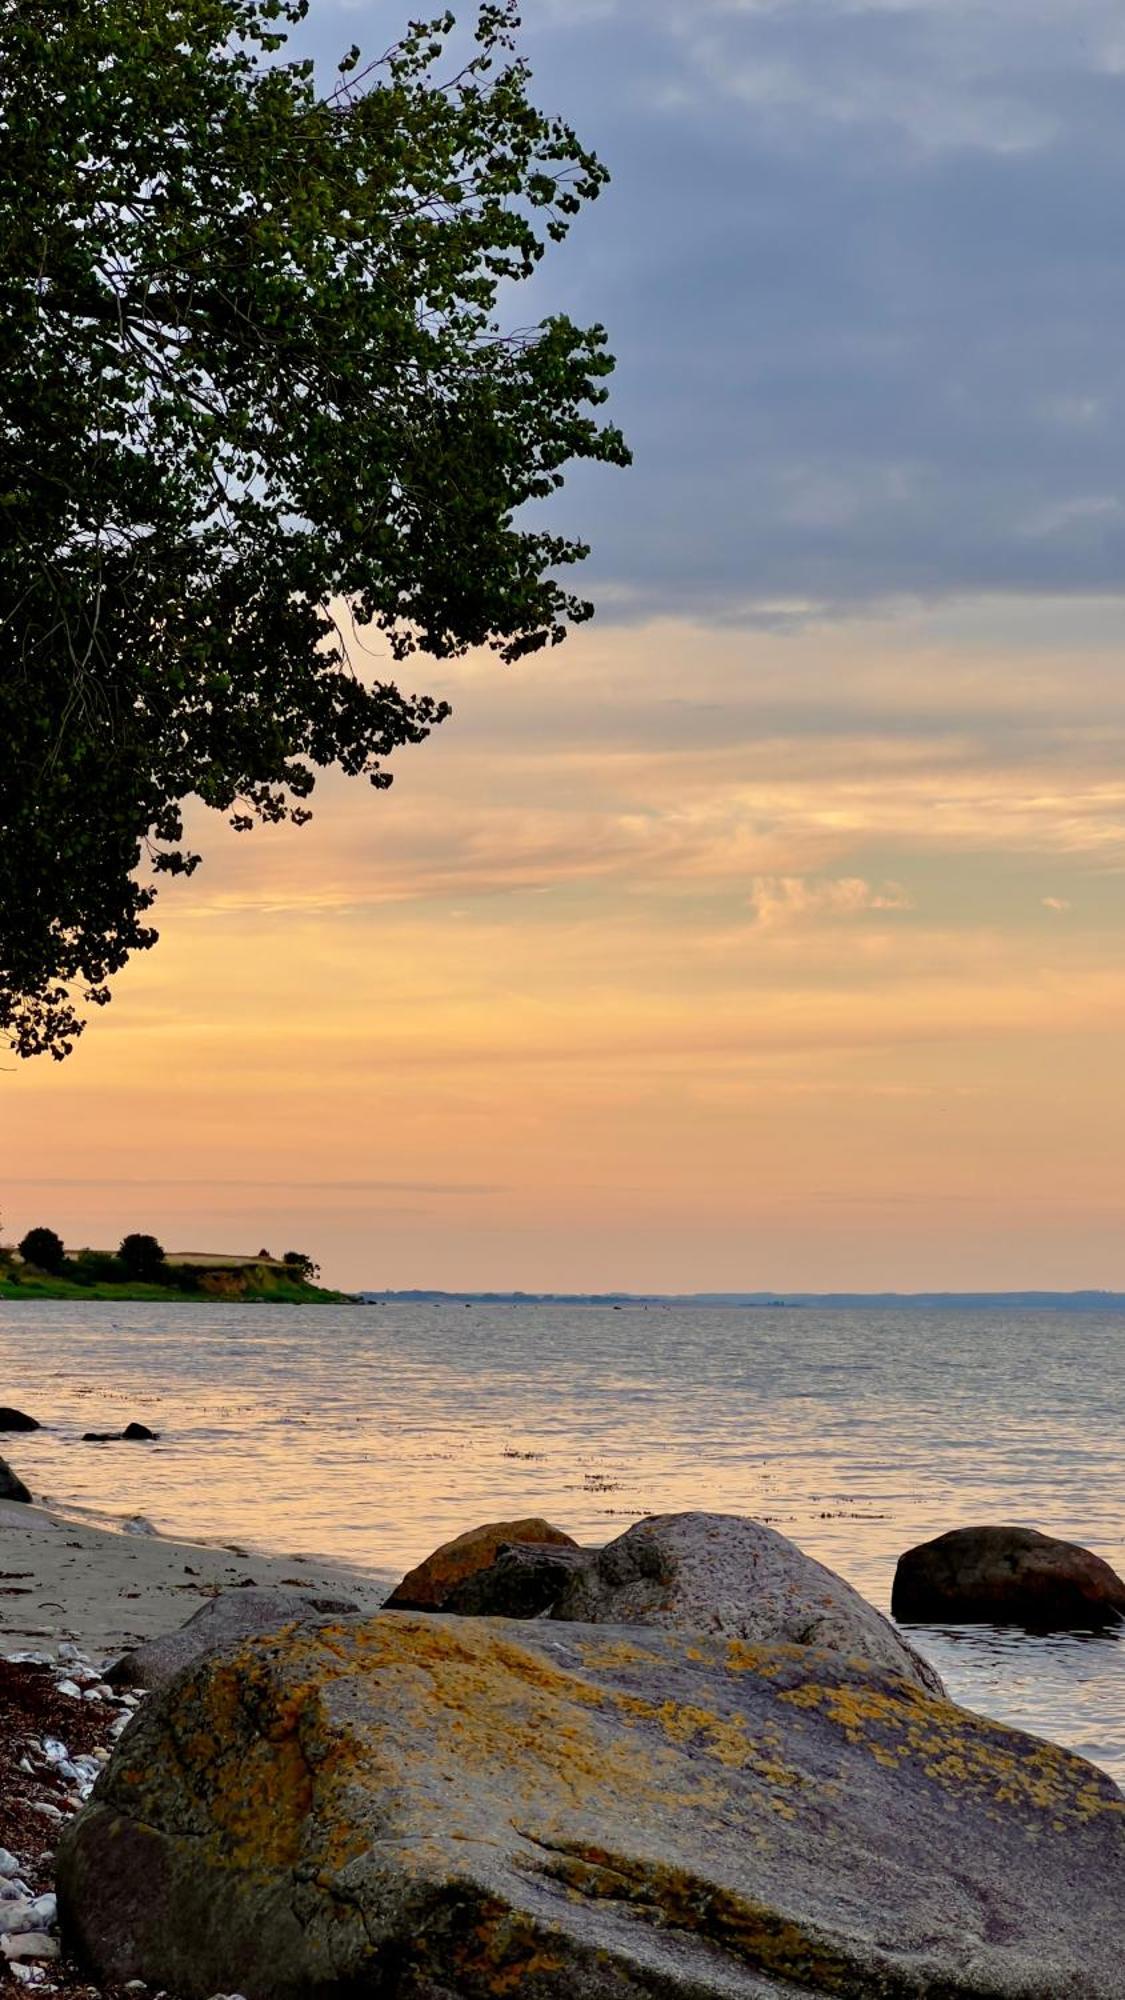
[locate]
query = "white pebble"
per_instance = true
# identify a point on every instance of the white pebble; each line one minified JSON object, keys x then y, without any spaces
{"x":16,"y":1917}
{"x":120,"y":1723}
{"x":45,"y":1910}
{"x":42,"y":1806}
{"x":67,"y":1652}
{"x":8,"y":1864}
{"x":68,"y":1687}
{"x":35,"y":1945}
{"x":54,"y":1751}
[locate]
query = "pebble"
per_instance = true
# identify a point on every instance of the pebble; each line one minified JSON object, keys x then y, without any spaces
{"x":20,"y":1919}
{"x":29,"y":1922}
{"x":35,"y":1944}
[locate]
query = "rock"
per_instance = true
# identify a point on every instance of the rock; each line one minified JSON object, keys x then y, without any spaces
{"x":33,"y":1944}
{"x":727,"y":1573}
{"x":222,"y":1622}
{"x":36,"y":1914}
{"x":437,"y":1807}
{"x":132,"y":1434}
{"x":11,"y":1486}
{"x":137,"y":1524}
{"x":427,"y":1587}
{"x":1006,"y":1576}
{"x":526,"y":1579}
{"x":17,"y":1420}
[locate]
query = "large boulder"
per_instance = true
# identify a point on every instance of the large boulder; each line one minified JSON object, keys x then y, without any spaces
{"x":11,"y":1485}
{"x":727,"y":1573}
{"x":525,"y":1580}
{"x":1006,"y":1576}
{"x":427,"y":1587}
{"x":459,"y":1809}
{"x":224,"y":1621}
{"x":17,"y":1420}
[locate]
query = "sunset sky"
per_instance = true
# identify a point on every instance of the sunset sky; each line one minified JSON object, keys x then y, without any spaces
{"x":770,"y":934}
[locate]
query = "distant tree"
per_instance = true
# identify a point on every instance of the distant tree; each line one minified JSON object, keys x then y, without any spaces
{"x":265,"y":1256}
{"x":254,"y":394}
{"x":44,"y":1249}
{"x":142,"y":1257}
{"x":302,"y":1265}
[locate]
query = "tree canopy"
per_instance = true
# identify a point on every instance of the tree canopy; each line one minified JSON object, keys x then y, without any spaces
{"x":142,"y":1255}
{"x":254,"y":386}
{"x":43,"y":1248}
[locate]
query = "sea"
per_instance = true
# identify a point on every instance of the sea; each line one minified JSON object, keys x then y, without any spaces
{"x":367,"y":1434}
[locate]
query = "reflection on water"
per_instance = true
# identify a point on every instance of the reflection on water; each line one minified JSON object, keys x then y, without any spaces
{"x":370,"y":1433}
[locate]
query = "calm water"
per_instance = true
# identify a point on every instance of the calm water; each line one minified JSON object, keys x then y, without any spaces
{"x":370,"y":1433}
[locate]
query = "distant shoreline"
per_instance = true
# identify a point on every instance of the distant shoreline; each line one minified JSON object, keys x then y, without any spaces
{"x":1081,"y":1301}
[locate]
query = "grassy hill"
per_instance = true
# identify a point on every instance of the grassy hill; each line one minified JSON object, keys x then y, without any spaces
{"x":246,"y":1283}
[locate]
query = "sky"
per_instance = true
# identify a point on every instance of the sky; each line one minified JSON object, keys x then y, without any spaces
{"x":769,"y":934}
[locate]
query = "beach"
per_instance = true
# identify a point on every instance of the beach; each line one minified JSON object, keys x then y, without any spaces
{"x":65,"y":1582}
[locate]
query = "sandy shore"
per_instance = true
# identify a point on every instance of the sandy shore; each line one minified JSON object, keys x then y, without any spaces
{"x":63,"y":1580}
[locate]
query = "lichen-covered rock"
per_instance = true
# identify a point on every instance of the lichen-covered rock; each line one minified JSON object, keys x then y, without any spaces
{"x":465,"y":1809}
{"x":427,"y":1587}
{"x":1007,"y":1576}
{"x":224,"y":1621}
{"x":11,"y":1485}
{"x":727,"y":1573}
{"x":525,"y":1580}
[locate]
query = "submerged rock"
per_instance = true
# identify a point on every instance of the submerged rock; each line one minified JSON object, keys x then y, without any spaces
{"x":727,"y":1573}
{"x":438,"y":1807}
{"x":1006,"y":1576}
{"x":224,"y":1621}
{"x":132,"y":1434}
{"x":17,"y":1420}
{"x":11,"y":1485}
{"x":427,"y":1587}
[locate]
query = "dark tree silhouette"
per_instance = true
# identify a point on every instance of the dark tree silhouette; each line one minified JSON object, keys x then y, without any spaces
{"x":254,"y":393}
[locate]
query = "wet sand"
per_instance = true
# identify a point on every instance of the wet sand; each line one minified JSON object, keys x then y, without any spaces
{"x":62,"y":1579}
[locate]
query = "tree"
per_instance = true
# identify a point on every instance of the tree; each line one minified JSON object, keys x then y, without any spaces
{"x":254,"y":398}
{"x":142,"y":1257}
{"x":44,"y":1249}
{"x":302,"y":1266}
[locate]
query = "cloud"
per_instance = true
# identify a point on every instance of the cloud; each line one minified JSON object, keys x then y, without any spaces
{"x":1058,"y":904}
{"x":786,"y":899}
{"x":859,"y":264}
